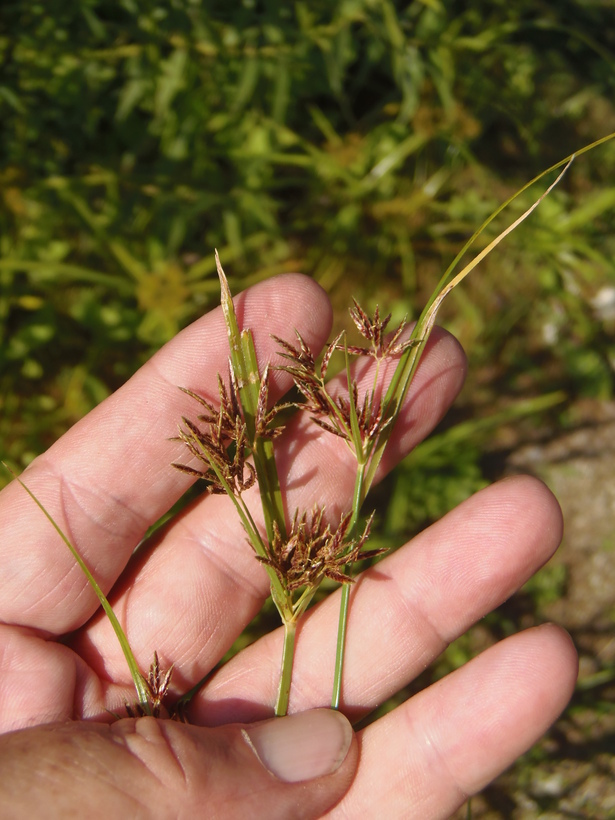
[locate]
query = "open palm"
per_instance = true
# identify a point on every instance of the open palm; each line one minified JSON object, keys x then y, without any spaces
{"x":191,"y":590}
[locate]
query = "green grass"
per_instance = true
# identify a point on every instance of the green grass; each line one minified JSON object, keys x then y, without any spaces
{"x":353,"y":141}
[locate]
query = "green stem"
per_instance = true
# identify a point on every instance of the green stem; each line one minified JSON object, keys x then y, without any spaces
{"x":245,"y":367}
{"x":340,"y":647}
{"x":290,"y":630}
{"x":360,"y":491}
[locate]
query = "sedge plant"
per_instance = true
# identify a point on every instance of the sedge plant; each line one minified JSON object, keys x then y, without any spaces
{"x":232,"y":448}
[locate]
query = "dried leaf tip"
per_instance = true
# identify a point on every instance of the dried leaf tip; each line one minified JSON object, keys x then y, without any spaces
{"x":226,"y":298}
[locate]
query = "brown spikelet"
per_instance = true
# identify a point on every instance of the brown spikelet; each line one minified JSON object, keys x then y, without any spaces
{"x":312,"y":550}
{"x":373,"y":331}
{"x":157,"y":685}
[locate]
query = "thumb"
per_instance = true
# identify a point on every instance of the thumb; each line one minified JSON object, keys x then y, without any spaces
{"x":298,"y":766}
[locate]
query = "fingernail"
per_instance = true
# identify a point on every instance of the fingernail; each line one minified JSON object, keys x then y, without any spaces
{"x":302,"y":746}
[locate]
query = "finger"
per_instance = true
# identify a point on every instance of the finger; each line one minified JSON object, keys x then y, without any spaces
{"x":109,"y":478}
{"x":291,"y":767}
{"x":37,"y":682}
{"x":204,"y":557}
{"x":404,"y":611}
{"x":429,"y":755}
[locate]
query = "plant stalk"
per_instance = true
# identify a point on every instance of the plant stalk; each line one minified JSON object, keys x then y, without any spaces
{"x":288,"y":653}
{"x":137,"y":678}
{"x":360,"y":491}
{"x":400,"y":384}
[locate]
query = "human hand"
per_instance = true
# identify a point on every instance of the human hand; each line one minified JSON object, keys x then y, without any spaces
{"x":197,"y":585}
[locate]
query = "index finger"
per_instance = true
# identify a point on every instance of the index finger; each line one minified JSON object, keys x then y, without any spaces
{"x":109,"y":478}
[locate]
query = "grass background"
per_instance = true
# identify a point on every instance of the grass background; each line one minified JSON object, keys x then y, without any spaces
{"x":358,"y":141}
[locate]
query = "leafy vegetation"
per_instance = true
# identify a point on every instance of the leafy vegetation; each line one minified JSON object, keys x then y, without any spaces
{"x":354,"y":141}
